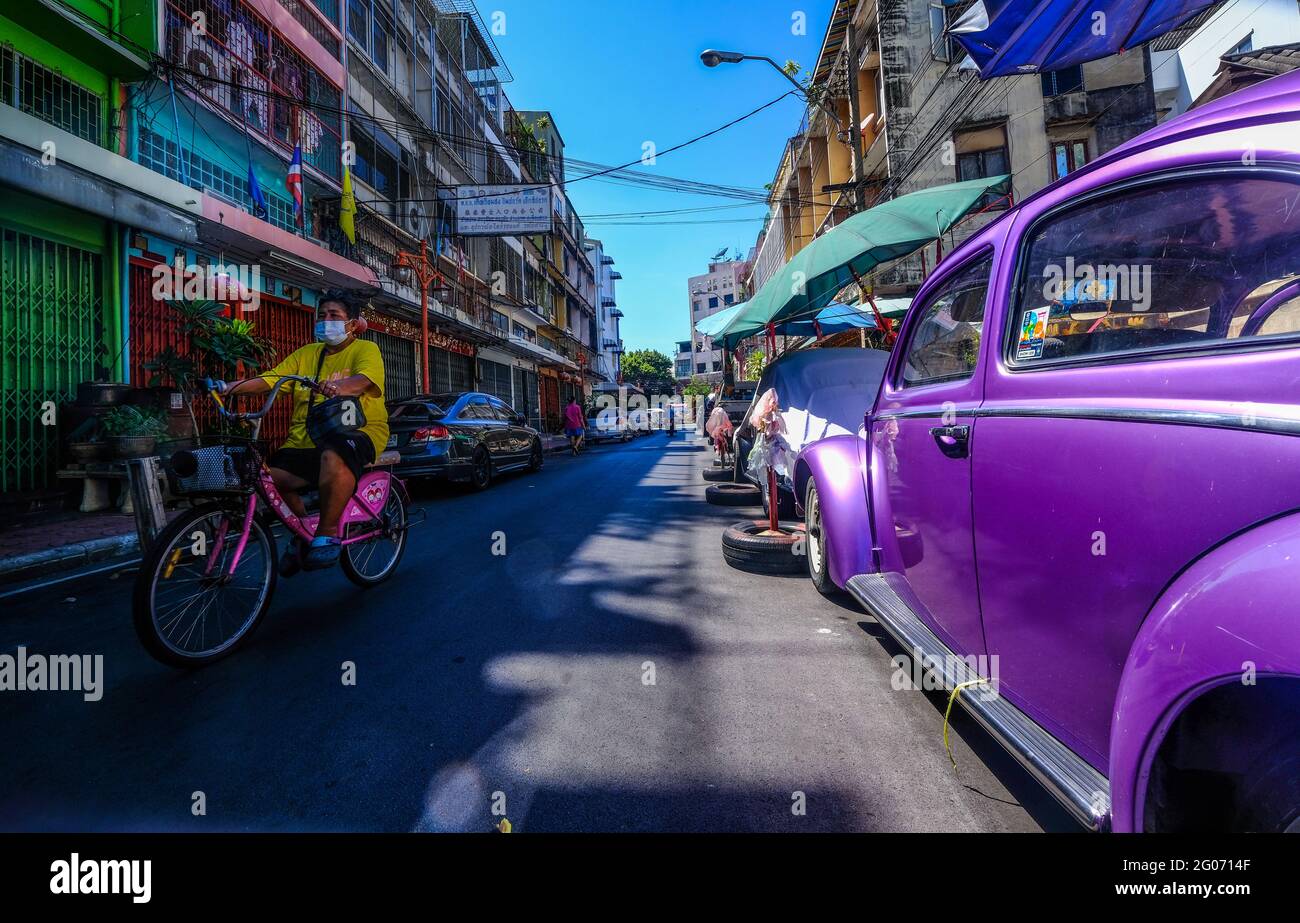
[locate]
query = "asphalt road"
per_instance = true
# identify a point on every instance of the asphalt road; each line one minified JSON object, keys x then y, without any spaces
{"x":608,"y":672}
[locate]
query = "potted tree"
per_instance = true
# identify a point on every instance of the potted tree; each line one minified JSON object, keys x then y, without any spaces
{"x":217,"y":347}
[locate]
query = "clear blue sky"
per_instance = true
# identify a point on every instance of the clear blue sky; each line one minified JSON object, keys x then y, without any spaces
{"x":617,"y":73}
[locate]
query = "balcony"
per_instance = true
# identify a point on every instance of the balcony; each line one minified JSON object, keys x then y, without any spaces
{"x":227,"y":66}
{"x":316,"y":16}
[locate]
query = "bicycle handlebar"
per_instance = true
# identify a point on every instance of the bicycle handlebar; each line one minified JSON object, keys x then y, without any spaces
{"x":210,"y":386}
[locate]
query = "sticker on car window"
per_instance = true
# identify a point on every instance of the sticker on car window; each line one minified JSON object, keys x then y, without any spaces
{"x":1033,"y":330}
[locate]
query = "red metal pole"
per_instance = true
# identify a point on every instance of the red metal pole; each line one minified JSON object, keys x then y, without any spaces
{"x":422,"y":274}
{"x":772,"y":502}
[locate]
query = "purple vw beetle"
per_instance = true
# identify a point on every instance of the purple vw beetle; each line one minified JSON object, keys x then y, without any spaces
{"x":1079,"y":488}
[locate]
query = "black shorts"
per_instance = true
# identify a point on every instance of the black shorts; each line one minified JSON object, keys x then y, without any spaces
{"x":356,"y":452}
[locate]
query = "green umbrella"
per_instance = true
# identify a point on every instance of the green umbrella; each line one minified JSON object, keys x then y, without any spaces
{"x":893,"y":229}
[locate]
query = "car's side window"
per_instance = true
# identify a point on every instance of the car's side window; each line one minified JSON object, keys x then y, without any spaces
{"x":945,"y":343}
{"x":1179,"y":265}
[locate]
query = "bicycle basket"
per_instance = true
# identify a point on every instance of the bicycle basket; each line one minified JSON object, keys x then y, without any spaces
{"x":211,"y":469}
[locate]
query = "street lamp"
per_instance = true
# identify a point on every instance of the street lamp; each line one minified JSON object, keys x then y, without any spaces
{"x":713,"y":57}
{"x":408,"y":263}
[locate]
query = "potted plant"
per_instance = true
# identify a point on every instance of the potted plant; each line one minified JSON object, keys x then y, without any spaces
{"x":134,"y":430}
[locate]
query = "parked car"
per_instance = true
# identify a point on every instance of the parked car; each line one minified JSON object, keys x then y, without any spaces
{"x":822,"y":392}
{"x":466,"y":436}
{"x":737,"y":402}
{"x":1081,"y":476}
{"x":607,"y":426}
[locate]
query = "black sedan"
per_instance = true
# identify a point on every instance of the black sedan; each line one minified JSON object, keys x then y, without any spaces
{"x":468,"y":437}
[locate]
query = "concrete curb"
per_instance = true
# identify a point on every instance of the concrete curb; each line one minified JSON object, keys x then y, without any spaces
{"x":36,"y":563}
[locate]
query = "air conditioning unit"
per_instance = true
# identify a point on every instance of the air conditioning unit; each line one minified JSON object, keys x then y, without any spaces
{"x":415,"y":221}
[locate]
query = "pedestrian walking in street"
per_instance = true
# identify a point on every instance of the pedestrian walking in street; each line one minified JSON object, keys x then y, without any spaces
{"x":574,"y":425}
{"x":345,"y":367}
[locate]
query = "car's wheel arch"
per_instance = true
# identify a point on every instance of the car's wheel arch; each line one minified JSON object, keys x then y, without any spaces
{"x":834,"y":465}
{"x":1226,"y":619}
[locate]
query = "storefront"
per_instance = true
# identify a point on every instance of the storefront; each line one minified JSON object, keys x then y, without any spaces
{"x":451,"y":364}
{"x":399,"y":345}
{"x":59,"y":325}
{"x":526,"y":396}
{"x":496,"y":374}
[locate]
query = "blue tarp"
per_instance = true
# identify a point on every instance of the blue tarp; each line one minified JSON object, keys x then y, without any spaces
{"x":1025,"y":36}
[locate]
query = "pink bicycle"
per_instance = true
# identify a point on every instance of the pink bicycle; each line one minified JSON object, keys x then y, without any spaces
{"x":207,"y":579}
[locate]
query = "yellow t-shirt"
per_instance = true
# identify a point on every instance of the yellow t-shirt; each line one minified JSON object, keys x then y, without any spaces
{"x":360,"y":357}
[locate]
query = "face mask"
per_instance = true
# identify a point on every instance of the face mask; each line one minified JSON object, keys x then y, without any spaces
{"x":331,"y":332}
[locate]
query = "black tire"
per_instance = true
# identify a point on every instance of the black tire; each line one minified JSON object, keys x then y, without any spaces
{"x":818,"y":544}
{"x":745,"y":548}
{"x":359,"y":561}
{"x":537,"y":458}
{"x":733,"y":495}
{"x":169,"y":547}
{"x":1270,"y":794}
{"x":480,"y":476}
{"x":717,"y":474}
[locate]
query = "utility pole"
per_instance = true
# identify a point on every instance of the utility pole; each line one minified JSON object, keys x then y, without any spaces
{"x":855,"y":115}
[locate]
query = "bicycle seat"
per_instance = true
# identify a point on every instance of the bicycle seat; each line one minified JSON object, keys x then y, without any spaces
{"x":386,"y":459}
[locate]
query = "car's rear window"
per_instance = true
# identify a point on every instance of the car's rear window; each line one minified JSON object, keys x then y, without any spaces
{"x":437,"y":404}
{"x":1182,"y":264}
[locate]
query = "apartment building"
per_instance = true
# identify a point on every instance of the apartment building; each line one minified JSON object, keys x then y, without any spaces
{"x":890,"y":76}
{"x":1184,"y":62}
{"x":609,"y":345}
{"x":145,"y":134}
{"x":724,"y":285}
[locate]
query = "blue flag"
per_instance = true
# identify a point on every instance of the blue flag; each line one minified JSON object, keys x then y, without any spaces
{"x":255,"y":193}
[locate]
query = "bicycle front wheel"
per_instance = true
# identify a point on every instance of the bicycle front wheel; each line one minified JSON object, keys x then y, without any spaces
{"x":191,"y":608}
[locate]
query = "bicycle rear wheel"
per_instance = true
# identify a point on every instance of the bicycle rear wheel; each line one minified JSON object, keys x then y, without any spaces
{"x":370,"y":563}
{"x":189,"y":610}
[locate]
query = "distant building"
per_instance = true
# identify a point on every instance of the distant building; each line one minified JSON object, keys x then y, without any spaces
{"x":721,"y":287}
{"x":1238,"y":71}
{"x":1185,"y":62}
{"x":684,"y":363}
{"x":608,"y":347}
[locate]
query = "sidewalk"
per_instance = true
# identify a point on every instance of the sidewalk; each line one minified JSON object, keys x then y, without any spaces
{"x":72,"y":540}
{"x":65,"y":541}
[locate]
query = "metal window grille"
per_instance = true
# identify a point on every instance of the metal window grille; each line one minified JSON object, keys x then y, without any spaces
{"x":51,"y":97}
{"x":256,"y":76}
{"x":400,"y":374}
{"x":161,"y":154}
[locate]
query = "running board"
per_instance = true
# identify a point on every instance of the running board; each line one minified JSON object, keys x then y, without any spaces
{"x":1080,"y":788}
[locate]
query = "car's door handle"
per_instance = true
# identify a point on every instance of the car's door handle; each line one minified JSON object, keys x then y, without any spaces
{"x":953,"y":441}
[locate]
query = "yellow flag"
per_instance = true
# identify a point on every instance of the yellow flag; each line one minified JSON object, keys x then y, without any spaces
{"x":348,"y":208}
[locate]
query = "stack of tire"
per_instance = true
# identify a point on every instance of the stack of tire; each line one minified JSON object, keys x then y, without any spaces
{"x":750,"y":545}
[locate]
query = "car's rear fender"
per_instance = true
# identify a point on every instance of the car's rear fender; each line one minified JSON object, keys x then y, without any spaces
{"x":1229,"y":617}
{"x":835,"y":464}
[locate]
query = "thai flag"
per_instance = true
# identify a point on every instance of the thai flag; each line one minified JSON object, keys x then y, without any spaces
{"x":293,"y":182}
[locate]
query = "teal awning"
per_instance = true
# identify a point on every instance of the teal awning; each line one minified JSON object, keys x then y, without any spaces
{"x":714,"y":324}
{"x":816,"y":274}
